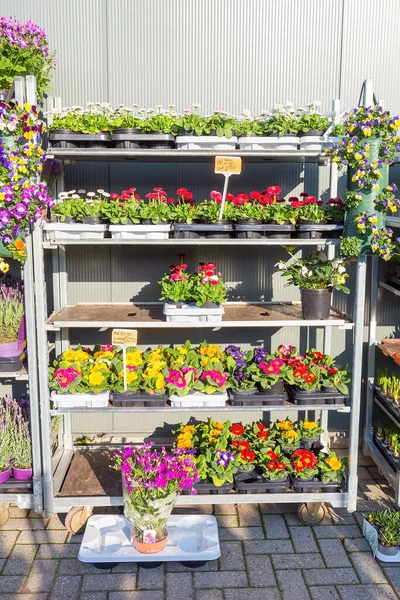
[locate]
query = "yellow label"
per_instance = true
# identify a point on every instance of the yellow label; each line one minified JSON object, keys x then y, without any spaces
{"x":228,"y":164}
{"x":124,"y":337}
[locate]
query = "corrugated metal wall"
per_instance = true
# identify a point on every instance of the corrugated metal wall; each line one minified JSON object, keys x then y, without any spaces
{"x":229,"y":54}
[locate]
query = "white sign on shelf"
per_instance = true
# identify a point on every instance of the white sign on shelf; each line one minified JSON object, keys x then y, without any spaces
{"x":124,"y":338}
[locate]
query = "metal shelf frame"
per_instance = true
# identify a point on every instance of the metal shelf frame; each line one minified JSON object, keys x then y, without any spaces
{"x":55,"y":467}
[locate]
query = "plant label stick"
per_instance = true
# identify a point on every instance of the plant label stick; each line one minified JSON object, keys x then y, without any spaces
{"x":124,"y":338}
{"x":227,"y":166}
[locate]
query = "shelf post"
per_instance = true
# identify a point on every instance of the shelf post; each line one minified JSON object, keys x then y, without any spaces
{"x":359,"y":312}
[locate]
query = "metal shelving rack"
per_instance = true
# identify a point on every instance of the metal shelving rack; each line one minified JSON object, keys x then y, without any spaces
{"x":65,"y":317}
{"x":26,"y":494}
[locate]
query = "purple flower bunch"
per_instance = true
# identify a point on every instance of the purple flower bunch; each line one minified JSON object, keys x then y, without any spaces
{"x":224,"y":458}
{"x":15,"y":442}
{"x":23,"y":35}
{"x":155,"y":473}
{"x":260,"y":354}
{"x":240,"y":358}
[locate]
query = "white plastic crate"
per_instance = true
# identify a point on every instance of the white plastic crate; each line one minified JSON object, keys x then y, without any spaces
{"x":75,"y":231}
{"x":140,"y":232}
{"x":269,"y":143}
{"x":89,"y":400}
{"x":190,"y":313}
{"x":205,"y":142}
{"x":107,"y":539}
{"x":198,"y":399}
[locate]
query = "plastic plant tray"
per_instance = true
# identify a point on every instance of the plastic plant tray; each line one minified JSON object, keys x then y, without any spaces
{"x":302,"y":397}
{"x":78,"y":140}
{"x":256,"y":484}
{"x":318,"y":230}
{"x":190,"y":313}
{"x":205,"y":142}
{"x":107,"y":539}
{"x":125,"y":399}
{"x":315,"y":486}
{"x":394,"y":463}
{"x":198,"y":399}
{"x":140,"y":232}
{"x":75,"y":231}
{"x":207,"y":487}
{"x":88,"y":400}
{"x":258,"y":399}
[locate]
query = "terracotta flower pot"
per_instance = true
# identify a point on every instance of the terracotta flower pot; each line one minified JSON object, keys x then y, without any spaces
{"x":149,"y":548}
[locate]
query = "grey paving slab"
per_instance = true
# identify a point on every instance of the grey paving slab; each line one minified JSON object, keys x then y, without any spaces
{"x":20,"y":560}
{"x":337,"y":531}
{"x":334,"y":553}
{"x":323,"y":592}
{"x":221,"y":579}
{"x":330,"y":576}
{"x":252,"y":594}
{"x":227,"y":520}
{"x":275,"y":527}
{"x":340,"y":516}
{"x":268,"y":547}
{"x":179,"y":586}
{"x":366,"y":592}
{"x":71,"y":566}
{"x":108,"y":582}
{"x":210,"y":594}
{"x":139,"y":595}
{"x":260,"y":571}
{"x":393,"y":574}
{"x":292,"y":586}
{"x":16,"y":512}
{"x":66,"y":587}
{"x":24,"y":524}
{"x":356,"y":545}
{"x":232,"y":557}
{"x":42,"y":575}
{"x":8,"y":539}
{"x":2,"y":563}
{"x":297,"y":561}
{"x":241,"y":533}
{"x":93,"y":596}
{"x":58,"y":551}
{"x":24,"y":596}
{"x":249,"y":515}
{"x":11,"y":584}
{"x":151,"y":579}
{"x":176,"y":567}
{"x":42,"y":537}
{"x":278,"y":509}
{"x":303,"y":539}
{"x":367,"y":568}
{"x":225,"y":509}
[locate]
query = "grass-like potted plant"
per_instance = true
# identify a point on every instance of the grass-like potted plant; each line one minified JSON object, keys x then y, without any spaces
{"x":6,"y":438}
{"x":152,"y":481}
{"x":22,"y":448}
{"x":389,"y":540}
{"x":316,"y":276}
{"x":12,"y":324}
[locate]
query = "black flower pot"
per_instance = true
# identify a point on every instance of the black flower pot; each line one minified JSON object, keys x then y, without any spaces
{"x":276,"y":388}
{"x":309,"y":443}
{"x":243,"y":229}
{"x":316,"y":304}
{"x":387,"y":550}
{"x":312,"y":132}
{"x":92,"y":220}
{"x":69,"y":220}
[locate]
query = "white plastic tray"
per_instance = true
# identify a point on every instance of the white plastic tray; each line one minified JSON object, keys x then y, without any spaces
{"x":90,"y":400}
{"x":269,"y":143}
{"x":205,"y":142}
{"x":140,"y":232}
{"x":190,"y":313}
{"x":66,"y":231}
{"x":107,"y":539}
{"x":198,"y":399}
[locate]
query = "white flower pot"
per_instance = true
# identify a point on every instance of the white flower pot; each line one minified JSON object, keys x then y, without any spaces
{"x":140,"y":232}
{"x":269,"y":143}
{"x":198,"y":399}
{"x":89,"y":400}
{"x":205,"y":142}
{"x":190,"y":313}
{"x":75,"y":231}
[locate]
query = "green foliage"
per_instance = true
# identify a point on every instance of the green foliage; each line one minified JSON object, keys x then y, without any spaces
{"x":316,"y":272}
{"x":350,"y":246}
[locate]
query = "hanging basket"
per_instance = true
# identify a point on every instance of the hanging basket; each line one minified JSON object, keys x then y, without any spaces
{"x":4,"y":251}
{"x":367,"y":202}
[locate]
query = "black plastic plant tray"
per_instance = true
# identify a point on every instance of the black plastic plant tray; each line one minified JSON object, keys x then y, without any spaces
{"x":315,"y":486}
{"x":126,"y":399}
{"x":317,"y":231}
{"x":263,"y":230}
{"x":16,"y":485}
{"x":13,"y":363}
{"x":302,"y":397}
{"x":79,"y":140}
{"x":387,"y":401}
{"x":201,"y":230}
{"x":258,"y":399}
{"x":207,"y":487}
{"x":144,"y":140}
{"x":384,"y":451}
{"x":260,"y":485}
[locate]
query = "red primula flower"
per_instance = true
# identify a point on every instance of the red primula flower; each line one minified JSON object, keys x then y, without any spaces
{"x":309,"y":378}
{"x":241,"y":444}
{"x":236,"y":429}
{"x":332,"y":371}
{"x":247,"y":455}
{"x":263,"y":435}
{"x":271,"y":466}
{"x":261,"y":427}
{"x":272,"y":455}
{"x":281,"y":466}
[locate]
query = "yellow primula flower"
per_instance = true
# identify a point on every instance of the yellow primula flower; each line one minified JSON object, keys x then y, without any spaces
{"x":310,"y":425}
{"x":4,"y":267}
{"x":160,"y":382}
{"x":290,"y":433}
{"x":284,"y":424}
{"x":134,"y":359}
{"x":131,"y":376}
{"x":218,"y":425}
{"x":182,"y":350}
{"x":334,"y":463}
{"x":96,"y":378}
{"x":100,"y":367}
{"x":189,"y":428}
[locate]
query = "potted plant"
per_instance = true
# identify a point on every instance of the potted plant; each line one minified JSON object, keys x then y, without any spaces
{"x":22,"y":449}
{"x":242,"y":386}
{"x":79,"y":215}
{"x":332,"y":470}
{"x":271,"y":374}
{"x":310,"y":433}
{"x":312,"y":127}
{"x":306,"y":381}
{"x":12,"y":324}
{"x":126,"y":127}
{"x":316,"y":276}
{"x":154,"y":214}
{"x":334,"y":380}
{"x":389,"y":540}
{"x":152,"y":481}
{"x":193,"y":297}
{"x":310,"y":217}
{"x":124,"y":212}
{"x":216,"y":469}
{"x":159,"y":127}
{"x":305,"y":469}
{"x":279,"y":130}
{"x":80,"y":128}
{"x":6,"y":438}
{"x":276,"y":469}
{"x":24,"y":51}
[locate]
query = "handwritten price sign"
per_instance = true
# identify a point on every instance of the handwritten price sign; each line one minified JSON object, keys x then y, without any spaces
{"x":228,"y":164}
{"x":124,"y":337}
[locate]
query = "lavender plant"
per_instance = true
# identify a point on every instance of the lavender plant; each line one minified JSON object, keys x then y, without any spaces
{"x":11,"y":310}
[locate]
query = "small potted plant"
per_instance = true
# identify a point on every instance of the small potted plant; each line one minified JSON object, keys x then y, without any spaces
{"x":332,"y":471}
{"x":197,"y":132}
{"x":389,"y":540}
{"x":310,"y":433}
{"x":312,"y":126}
{"x":6,"y":438}
{"x":216,"y":468}
{"x":316,"y":276}
{"x":79,"y":215}
{"x":80,"y":128}
{"x":334,"y":380}
{"x":271,"y":374}
{"x":152,"y":481}
{"x":310,"y":216}
{"x":278,"y":129}
{"x":12,"y":324}
{"x":276,"y":469}
{"x":305,"y":468}
{"x":22,"y":449}
{"x":125,"y":125}
{"x":159,"y":128}
{"x":242,"y":385}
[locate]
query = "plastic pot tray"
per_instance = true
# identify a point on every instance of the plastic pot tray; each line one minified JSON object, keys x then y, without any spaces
{"x":11,"y":364}
{"x":190,"y":313}
{"x":303,"y":397}
{"x":317,"y":231}
{"x":260,"y":485}
{"x":107,"y":539}
{"x":78,"y":140}
{"x":257,"y":399}
{"x":207,"y":487}
{"x":205,"y":142}
{"x":198,"y":399}
{"x":269,"y":143}
{"x":201,"y":230}
{"x":315,"y":486}
{"x":89,"y":400}
{"x":75,"y":231}
{"x":140,"y":232}
{"x":268,"y":230}
{"x":126,"y":399}
{"x":143,"y":140}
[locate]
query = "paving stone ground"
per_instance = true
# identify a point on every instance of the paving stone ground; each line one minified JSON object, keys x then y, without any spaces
{"x":266,"y":554}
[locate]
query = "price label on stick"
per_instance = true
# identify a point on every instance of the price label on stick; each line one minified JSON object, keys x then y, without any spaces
{"x":124,"y":338}
{"x":227,"y":166}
